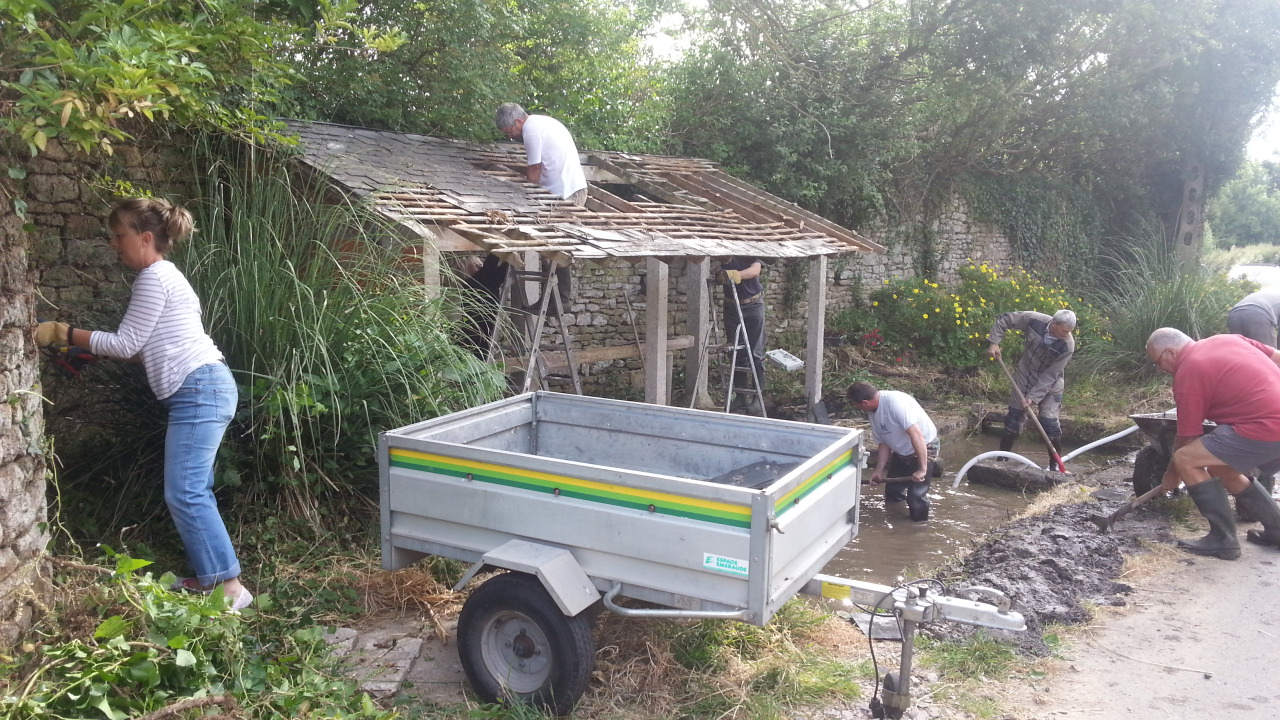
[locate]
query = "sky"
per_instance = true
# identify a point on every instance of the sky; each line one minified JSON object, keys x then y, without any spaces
{"x":1265,"y":143}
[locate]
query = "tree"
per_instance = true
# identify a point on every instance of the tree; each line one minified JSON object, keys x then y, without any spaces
{"x":86,"y":71}
{"x":91,"y":71}
{"x":581,"y":62}
{"x":1247,"y":210}
{"x":856,"y":109}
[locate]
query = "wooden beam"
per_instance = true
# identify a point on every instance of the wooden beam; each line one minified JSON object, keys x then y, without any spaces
{"x":557,"y":363}
{"x":814,"y":338}
{"x":698,"y":309}
{"x":657,"y":361}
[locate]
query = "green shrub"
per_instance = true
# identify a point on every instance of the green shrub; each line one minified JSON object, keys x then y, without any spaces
{"x":130,"y":646}
{"x":949,"y":326}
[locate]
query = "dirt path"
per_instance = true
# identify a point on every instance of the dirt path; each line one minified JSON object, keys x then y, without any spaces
{"x":1196,"y":639}
{"x":1181,"y":636}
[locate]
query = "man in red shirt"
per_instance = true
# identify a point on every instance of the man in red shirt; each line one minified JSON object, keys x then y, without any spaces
{"x":1235,"y":382}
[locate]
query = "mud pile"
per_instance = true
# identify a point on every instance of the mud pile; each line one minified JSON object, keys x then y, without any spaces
{"x":1051,"y":565}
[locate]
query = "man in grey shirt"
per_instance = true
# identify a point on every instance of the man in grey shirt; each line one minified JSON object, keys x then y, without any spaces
{"x":908,"y":444}
{"x":1047,"y":348}
{"x":1255,"y":317}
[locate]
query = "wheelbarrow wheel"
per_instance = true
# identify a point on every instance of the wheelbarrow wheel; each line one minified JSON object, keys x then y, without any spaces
{"x":516,"y":645}
{"x":1148,"y":469}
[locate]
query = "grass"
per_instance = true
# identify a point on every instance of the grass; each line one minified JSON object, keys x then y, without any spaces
{"x":968,"y":671}
{"x":1142,"y":287}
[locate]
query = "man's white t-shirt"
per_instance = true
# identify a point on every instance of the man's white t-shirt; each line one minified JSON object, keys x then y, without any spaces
{"x":547,"y":141}
{"x":898,"y":411}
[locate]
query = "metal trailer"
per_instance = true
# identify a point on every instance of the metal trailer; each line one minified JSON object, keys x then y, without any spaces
{"x":585,"y":501}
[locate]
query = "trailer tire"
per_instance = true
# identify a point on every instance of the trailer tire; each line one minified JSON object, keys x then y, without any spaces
{"x":516,"y":645}
{"x":1148,"y":469}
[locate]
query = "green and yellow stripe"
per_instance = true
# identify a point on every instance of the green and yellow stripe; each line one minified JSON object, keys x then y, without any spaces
{"x":729,"y":514}
{"x":793,"y":498}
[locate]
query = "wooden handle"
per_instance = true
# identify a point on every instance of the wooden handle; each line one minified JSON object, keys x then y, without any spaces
{"x":1053,"y":452}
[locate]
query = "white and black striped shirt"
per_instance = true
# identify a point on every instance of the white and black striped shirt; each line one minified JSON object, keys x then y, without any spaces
{"x":162,"y":326}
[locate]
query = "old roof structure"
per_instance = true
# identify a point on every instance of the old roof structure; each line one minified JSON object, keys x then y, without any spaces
{"x":470,"y":197}
{"x":476,"y":197}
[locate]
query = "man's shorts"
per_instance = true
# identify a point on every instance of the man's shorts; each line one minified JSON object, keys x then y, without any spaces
{"x":1241,"y":453}
{"x":1253,"y":322}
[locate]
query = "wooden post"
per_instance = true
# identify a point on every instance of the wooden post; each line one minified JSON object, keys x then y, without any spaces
{"x":698,"y":319}
{"x":657,"y":361}
{"x":817,"y":325}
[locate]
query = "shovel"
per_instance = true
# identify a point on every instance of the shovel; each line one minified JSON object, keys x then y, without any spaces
{"x":1053,"y":452}
{"x":1104,"y":522}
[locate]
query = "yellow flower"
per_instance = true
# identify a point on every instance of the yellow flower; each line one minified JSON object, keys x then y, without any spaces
{"x":926,"y":316}
{"x":874,"y":304}
{"x":915,"y":290}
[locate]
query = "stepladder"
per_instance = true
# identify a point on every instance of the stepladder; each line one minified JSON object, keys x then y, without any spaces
{"x":743,"y":384}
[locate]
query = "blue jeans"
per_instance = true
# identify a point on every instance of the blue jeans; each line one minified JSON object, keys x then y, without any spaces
{"x":199,"y":413}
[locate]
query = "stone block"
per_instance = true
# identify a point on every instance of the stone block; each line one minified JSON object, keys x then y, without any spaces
{"x":84,"y":226}
{"x":53,"y":188}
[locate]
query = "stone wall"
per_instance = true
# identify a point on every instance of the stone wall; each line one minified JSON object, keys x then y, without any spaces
{"x":22,"y":469}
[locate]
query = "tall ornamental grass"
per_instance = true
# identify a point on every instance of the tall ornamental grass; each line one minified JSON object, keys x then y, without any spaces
{"x":1142,"y":287}
{"x":331,"y":334}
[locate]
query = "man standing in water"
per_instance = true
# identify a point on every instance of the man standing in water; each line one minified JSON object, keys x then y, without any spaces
{"x":908,"y":444}
{"x":1046,"y":350}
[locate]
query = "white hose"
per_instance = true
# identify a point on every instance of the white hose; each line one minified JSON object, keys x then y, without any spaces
{"x":1096,"y":443}
{"x":989,"y":454}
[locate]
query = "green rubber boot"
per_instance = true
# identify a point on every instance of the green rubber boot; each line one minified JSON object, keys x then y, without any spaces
{"x":1258,"y":502}
{"x":1215,"y":505}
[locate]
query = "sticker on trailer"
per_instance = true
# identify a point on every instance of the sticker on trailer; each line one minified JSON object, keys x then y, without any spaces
{"x":719,"y":563}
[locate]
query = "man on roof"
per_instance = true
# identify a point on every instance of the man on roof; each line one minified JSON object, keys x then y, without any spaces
{"x":551,"y":154}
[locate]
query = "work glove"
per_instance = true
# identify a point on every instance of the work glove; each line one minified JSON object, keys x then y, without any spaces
{"x":732,"y":275}
{"x":53,"y":333}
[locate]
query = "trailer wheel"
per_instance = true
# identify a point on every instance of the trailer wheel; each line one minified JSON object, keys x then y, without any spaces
{"x":516,"y":645}
{"x":1148,"y":469}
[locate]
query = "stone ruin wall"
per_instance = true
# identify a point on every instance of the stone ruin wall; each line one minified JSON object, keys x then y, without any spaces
{"x":23,"y":535}
{"x":60,"y":270}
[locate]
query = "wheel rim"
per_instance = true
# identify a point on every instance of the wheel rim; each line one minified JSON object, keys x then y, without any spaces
{"x":516,"y":652}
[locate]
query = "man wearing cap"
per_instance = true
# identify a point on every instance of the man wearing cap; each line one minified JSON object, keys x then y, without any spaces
{"x":1047,"y":348}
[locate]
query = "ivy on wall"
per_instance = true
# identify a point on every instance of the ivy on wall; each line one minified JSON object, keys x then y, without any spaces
{"x":1050,"y":225}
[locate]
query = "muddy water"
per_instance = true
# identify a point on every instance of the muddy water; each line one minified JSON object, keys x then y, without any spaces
{"x":889,"y":545}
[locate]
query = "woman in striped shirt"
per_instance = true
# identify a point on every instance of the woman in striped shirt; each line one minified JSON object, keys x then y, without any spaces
{"x":163,"y":330}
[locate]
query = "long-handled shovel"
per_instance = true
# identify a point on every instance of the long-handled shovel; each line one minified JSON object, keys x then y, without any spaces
{"x":1053,"y":452}
{"x":1104,"y":522}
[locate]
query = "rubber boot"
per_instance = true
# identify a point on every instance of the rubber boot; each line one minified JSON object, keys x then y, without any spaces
{"x":1258,"y":502}
{"x":1006,"y":442}
{"x":1057,"y":446}
{"x":1243,"y":516}
{"x":1215,"y":505}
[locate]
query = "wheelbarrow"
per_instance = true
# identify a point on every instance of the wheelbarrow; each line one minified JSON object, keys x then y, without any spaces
{"x":1160,"y":430}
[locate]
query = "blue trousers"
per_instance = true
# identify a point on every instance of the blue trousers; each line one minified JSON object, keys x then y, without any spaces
{"x":199,"y":413}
